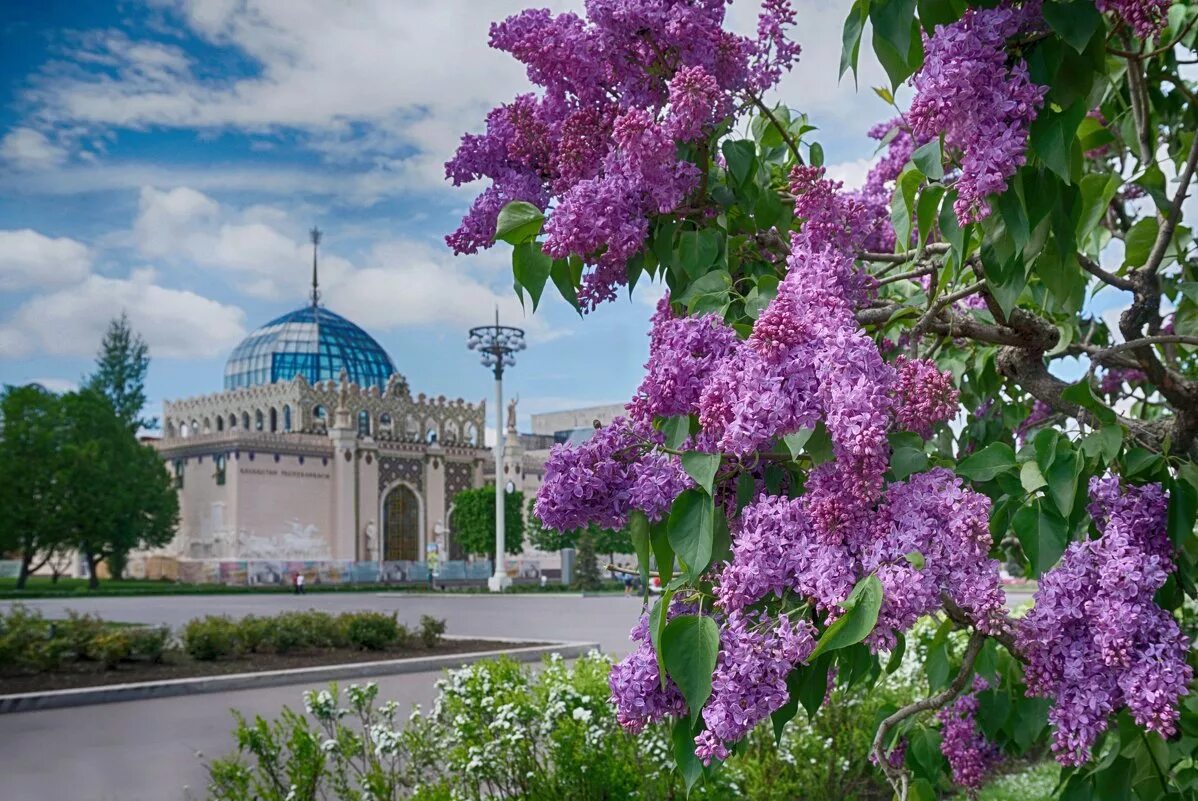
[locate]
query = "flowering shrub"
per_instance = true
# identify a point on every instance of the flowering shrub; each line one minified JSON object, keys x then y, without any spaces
{"x":498,"y":729}
{"x":786,"y":466}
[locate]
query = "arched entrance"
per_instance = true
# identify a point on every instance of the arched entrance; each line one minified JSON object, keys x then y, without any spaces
{"x":401,"y":525}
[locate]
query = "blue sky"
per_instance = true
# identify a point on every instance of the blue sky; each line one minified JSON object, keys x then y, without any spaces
{"x":166,"y":158}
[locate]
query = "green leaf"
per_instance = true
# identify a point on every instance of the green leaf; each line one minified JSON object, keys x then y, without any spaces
{"x":992,"y":460}
{"x":907,"y":454}
{"x":638,"y":532}
{"x":1031,"y":478}
{"x":1183,"y":507}
{"x":518,"y":222}
{"x":701,"y":467}
{"x":892,"y":23}
{"x":690,"y":645}
{"x":796,"y":441}
{"x":709,"y":293}
{"x":930,"y":160}
{"x":937,"y":667}
{"x":938,"y":12}
{"x":1052,"y":135}
{"x":899,"y":65}
{"x":741,"y":156}
{"x":682,"y":735}
{"x":697,"y":251}
{"x":994,"y":709}
{"x":815,"y":154}
{"x":690,"y":530}
{"x":926,"y":208}
{"x":1082,"y":394}
{"x":1062,"y":478}
{"x":915,"y":559}
{"x":531,"y":268}
{"x":1098,"y":190}
{"x":1104,"y":442}
{"x":896,"y":656}
{"x":1043,"y":533}
{"x":563,"y":278}
{"x":677,"y":430}
{"x":663,"y":554}
{"x":850,"y":37}
{"x":1073,"y":22}
{"x":658,"y":618}
{"x":861,"y":614}
{"x":950,"y":229}
{"x":903,"y":206}
{"x":1139,"y":241}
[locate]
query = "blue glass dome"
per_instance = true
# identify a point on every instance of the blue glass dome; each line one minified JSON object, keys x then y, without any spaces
{"x":312,"y":342}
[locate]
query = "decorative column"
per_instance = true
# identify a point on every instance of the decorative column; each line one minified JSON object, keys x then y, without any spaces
{"x":343,"y":537}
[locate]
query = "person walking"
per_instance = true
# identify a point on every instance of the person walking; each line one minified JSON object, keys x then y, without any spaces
{"x":299,"y":583}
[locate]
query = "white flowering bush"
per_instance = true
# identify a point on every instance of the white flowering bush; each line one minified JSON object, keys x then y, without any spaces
{"x":498,"y":729}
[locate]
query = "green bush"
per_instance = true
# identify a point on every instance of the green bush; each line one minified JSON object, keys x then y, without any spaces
{"x":431,"y":630}
{"x":211,"y":637}
{"x":254,"y":633}
{"x":78,"y":631}
{"x":111,"y":647}
{"x":27,"y":642}
{"x":150,"y":642}
{"x":304,"y":630}
{"x":371,"y":631}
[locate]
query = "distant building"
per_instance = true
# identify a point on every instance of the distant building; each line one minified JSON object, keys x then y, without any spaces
{"x":318,"y":450}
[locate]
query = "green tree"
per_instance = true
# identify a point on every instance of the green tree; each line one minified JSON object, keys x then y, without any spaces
{"x":587,"y":575}
{"x":116,"y":494}
{"x":473,"y":521}
{"x":120,"y":375}
{"x":30,"y":464}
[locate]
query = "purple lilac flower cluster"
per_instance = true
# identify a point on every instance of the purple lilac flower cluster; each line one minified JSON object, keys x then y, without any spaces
{"x":1096,"y":641}
{"x":925,"y":394}
{"x":878,"y":188}
{"x":606,"y":477}
{"x":620,"y":90}
{"x":1112,"y":380}
{"x":970,"y":755}
{"x":636,"y":686}
{"x":968,"y":92}
{"x":1146,"y":17}
{"x":757,"y":653}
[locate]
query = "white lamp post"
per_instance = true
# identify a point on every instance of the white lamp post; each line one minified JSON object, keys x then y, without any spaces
{"x":498,"y":345}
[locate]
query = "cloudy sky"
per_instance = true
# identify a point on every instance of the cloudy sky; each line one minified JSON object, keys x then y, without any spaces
{"x":167,"y":157}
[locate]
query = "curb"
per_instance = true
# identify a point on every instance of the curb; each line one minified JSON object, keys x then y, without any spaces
{"x":147,"y":690}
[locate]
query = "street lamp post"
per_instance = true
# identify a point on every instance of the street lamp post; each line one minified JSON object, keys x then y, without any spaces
{"x":498,"y":345}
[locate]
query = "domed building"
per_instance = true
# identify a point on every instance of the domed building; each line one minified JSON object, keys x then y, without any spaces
{"x":317,"y":453}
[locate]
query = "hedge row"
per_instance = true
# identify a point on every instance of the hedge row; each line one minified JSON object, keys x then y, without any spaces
{"x":30,"y":643}
{"x":219,"y":636}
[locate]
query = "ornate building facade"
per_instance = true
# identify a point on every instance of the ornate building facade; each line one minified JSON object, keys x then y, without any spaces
{"x":317,"y":451}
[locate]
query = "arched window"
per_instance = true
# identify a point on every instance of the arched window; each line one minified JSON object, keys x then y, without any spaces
{"x":385,"y":423}
{"x":232,"y":422}
{"x":219,"y":475}
{"x":207,"y":425}
{"x":412,"y":428}
{"x":245,"y":420}
{"x":274,"y":419}
{"x":471,"y":434}
{"x":430,"y":431}
{"x":259,"y":420}
{"x":287,"y":417}
{"x":194,"y":428}
{"x":220,"y":423}
{"x":364,"y":423}
{"x":169,"y":427}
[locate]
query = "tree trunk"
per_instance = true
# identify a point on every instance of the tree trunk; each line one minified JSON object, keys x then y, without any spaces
{"x":23,"y":576}
{"x":93,"y":580}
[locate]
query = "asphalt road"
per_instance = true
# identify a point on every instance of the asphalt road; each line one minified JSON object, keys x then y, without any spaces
{"x":155,"y":750}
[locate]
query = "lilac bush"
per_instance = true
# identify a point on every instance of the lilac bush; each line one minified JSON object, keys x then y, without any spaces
{"x":852,"y":412}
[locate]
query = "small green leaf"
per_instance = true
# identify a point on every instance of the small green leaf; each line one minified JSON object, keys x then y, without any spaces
{"x":1082,"y":394}
{"x":1139,"y":241}
{"x":563,"y":278}
{"x":677,"y":431}
{"x":1031,"y":478}
{"x":709,"y":293}
{"x":701,"y":467}
{"x":741,"y":156}
{"x":896,"y":655}
{"x":937,"y":667}
{"x":1043,"y":533}
{"x":690,"y":645}
{"x":638,"y":532}
{"x":663,"y":554}
{"x":915,"y":559}
{"x":796,"y":441}
{"x":1073,"y":22}
{"x":1105,"y":442}
{"x":930,"y":160}
{"x":682,"y":735}
{"x":926,"y":209}
{"x":850,"y":38}
{"x":518,"y":222}
{"x":902,"y":207}
{"x":861,"y":614}
{"x":691,"y":530}
{"x":992,"y":460}
{"x":1052,"y":135}
{"x":531,"y":268}
{"x":697,"y":251}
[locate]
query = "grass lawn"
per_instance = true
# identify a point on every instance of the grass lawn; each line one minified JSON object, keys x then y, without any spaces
{"x":1032,"y":784}
{"x":43,"y":587}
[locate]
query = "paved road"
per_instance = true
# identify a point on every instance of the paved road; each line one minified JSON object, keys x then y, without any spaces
{"x":147,"y":750}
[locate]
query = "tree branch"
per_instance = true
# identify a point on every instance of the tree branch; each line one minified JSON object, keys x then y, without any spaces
{"x":1091,"y":266}
{"x":890,"y":279}
{"x":1169,"y":222}
{"x":896,"y":776}
{"x":786,"y":137}
{"x":1161,"y":339}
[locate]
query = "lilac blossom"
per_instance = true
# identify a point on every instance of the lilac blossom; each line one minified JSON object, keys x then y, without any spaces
{"x":925,"y":395}
{"x":1146,"y":17}
{"x":970,"y":755}
{"x":968,"y":92}
{"x":1096,"y":641}
{"x":636,"y":686}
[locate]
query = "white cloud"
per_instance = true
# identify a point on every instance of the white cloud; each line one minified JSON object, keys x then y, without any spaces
{"x":408,"y":283}
{"x":27,"y":149}
{"x":71,"y":321}
{"x":55,"y":384}
{"x":853,"y":173}
{"x":31,"y":259}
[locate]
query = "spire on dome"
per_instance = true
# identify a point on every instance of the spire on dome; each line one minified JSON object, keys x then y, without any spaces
{"x":315,"y":234}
